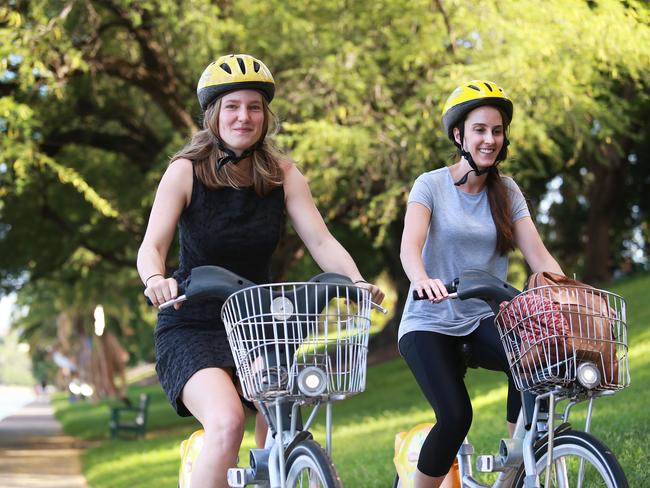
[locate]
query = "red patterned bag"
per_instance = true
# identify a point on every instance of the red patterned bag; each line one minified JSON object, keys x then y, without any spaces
{"x":542,"y":329}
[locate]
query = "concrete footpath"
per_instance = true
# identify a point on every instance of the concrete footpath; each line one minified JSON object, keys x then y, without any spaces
{"x":35,"y":453}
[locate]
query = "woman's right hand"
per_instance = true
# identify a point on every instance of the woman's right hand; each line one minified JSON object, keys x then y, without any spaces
{"x":160,"y":290}
{"x":433,"y":288}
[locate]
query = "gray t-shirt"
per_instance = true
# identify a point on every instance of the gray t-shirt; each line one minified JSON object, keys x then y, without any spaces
{"x":461,"y":235}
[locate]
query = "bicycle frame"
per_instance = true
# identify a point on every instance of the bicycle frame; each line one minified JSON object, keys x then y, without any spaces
{"x":267,"y":465}
{"x":293,"y":344}
{"x":520,"y":448}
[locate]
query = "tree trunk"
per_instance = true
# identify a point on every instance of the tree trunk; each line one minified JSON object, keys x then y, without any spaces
{"x":609,"y":179}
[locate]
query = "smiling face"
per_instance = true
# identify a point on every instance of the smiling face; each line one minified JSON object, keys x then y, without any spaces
{"x":484,"y":135}
{"x":241,"y":119}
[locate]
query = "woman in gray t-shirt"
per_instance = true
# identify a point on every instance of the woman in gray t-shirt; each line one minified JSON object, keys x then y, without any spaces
{"x":463,"y":216}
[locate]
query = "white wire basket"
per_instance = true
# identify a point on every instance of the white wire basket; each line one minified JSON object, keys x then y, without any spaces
{"x":280,"y":333}
{"x":549,"y":331}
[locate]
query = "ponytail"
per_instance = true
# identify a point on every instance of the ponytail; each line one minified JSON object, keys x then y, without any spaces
{"x":501,"y":209}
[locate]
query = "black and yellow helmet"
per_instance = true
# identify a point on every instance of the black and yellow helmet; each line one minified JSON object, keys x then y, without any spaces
{"x":469,"y":96}
{"x":234,"y":72}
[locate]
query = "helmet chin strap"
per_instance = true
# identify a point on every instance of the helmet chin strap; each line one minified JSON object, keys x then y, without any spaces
{"x":231,"y":157}
{"x":479,"y":172}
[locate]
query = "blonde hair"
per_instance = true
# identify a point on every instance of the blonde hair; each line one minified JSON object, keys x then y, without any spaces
{"x":203,"y":150}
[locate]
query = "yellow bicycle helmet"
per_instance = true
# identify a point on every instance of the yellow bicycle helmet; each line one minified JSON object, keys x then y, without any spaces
{"x":470,"y":95}
{"x":234,"y":72}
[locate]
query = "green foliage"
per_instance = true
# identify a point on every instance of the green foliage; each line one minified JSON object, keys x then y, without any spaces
{"x":96,"y":95}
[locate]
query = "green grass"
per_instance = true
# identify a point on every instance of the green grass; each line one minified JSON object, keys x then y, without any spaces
{"x":365,"y":426}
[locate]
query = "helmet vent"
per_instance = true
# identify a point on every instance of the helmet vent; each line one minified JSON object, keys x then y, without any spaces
{"x":474,"y":87}
{"x":226,"y":68}
{"x":242,"y":66}
{"x":488,"y":86}
{"x":256,"y":66}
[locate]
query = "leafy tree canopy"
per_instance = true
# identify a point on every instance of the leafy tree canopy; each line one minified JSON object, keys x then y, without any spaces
{"x":95,"y":95}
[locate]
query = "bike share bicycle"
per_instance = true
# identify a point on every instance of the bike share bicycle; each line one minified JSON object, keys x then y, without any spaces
{"x":294,"y":345}
{"x":564,"y":343}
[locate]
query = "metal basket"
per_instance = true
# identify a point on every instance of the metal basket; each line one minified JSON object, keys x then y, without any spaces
{"x":547,"y":332}
{"x":279,"y":333}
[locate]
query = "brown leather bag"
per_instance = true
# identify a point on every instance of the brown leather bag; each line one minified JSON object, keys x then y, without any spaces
{"x":589,"y":317}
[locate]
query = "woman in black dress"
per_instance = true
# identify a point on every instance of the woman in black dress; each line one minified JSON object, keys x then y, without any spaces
{"x":228,"y":190}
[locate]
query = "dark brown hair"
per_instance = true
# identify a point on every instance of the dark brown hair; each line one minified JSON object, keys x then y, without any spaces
{"x":501,"y":209}
{"x":499,"y":197}
{"x":203,"y":151}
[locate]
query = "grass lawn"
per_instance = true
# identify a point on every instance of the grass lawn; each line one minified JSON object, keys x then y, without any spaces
{"x":365,"y":426}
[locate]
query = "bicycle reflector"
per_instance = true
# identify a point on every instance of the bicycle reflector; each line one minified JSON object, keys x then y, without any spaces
{"x":312,"y":381}
{"x":588,"y":375}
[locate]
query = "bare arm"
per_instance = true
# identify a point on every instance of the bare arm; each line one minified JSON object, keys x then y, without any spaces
{"x":328,"y":253}
{"x":173,"y":195}
{"x":416,"y":226}
{"x":535,"y":253}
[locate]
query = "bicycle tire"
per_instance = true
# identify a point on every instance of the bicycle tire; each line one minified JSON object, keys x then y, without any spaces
{"x":570,"y":448}
{"x":310,"y":459}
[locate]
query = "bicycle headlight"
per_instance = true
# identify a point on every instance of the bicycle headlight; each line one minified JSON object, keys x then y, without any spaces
{"x":312,"y":381}
{"x":588,"y":375}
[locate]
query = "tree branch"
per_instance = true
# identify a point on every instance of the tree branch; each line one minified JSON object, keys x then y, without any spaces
{"x":135,"y":149}
{"x":450,"y":29}
{"x":155,"y":74}
{"x":49,"y":213}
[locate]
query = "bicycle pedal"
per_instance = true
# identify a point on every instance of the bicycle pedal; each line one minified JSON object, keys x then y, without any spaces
{"x":485,"y":464}
{"x":237,"y":477}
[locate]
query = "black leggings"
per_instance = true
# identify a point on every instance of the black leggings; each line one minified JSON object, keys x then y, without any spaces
{"x":438,"y":365}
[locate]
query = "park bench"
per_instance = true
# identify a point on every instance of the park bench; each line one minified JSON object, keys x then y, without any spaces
{"x":130,"y":420}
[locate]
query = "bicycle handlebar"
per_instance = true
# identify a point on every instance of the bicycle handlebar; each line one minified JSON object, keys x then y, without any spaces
{"x":451,"y":287}
{"x":215,"y":282}
{"x":475,"y":283}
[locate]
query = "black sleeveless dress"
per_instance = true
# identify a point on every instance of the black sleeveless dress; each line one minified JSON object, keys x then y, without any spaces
{"x":233,"y":228}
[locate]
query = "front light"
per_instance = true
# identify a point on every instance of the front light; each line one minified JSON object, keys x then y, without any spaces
{"x":312,"y":381}
{"x":588,"y":375}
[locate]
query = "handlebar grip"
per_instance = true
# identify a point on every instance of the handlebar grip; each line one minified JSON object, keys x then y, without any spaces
{"x":181,"y":291}
{"x":452,"y":287}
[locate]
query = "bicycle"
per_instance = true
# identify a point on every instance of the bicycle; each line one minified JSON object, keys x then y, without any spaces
{"x":547,"y":370}
{"x":294,"y":344}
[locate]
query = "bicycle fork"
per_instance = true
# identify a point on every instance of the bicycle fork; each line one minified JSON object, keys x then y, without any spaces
{"x":511,"y":455}
{"x":267,"y":466}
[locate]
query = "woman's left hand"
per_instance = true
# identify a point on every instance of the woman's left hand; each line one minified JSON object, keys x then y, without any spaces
{"x":375,"y":291}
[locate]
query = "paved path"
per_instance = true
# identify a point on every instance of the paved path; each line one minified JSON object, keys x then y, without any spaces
{"x":35,"y":453}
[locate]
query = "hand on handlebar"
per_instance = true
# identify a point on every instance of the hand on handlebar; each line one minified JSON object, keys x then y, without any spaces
{"x":162,"y":290}
{"x":375,"y":292}
{"x":432,"y":289}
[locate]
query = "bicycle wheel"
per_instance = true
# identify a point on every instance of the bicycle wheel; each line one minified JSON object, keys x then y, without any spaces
{"x":579,"y":461}
{"x":309,"y":466}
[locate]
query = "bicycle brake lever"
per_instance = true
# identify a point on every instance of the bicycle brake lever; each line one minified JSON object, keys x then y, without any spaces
{"x":452,"y":288}
{"x":167,"y":304}
{"x":376,"y":306}
{"x":172,"y":302}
